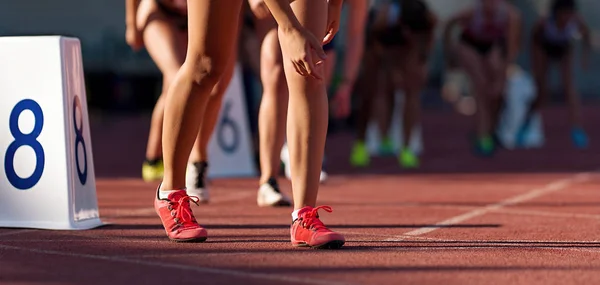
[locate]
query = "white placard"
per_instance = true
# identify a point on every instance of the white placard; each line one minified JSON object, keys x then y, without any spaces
{"x":44,"y":129}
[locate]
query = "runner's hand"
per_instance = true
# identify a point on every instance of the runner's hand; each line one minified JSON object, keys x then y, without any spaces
{"x":134,"y":38}
{"x":334,"y":12}
{"x":304,"y":50}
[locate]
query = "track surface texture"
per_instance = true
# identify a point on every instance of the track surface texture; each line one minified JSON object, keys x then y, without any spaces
{"x":522,"y":217}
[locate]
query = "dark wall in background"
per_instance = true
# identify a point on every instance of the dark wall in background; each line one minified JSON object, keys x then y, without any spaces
{"x":120,"y":79}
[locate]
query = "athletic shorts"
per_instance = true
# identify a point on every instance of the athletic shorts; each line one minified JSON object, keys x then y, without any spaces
{"x":553,"y":49}
{"x":330,"y":46}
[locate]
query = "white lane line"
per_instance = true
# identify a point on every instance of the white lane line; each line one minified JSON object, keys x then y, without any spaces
{"x":416,"y":239}
{"x":520,"y":212}
{"x":510,"y":211}
{"x":198,"y":269}
{"x":530,"y":195}
{"x":480,"y":247}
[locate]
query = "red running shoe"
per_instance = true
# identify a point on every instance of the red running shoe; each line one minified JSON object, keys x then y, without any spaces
{"x":178,"y":219}
{"x":307,"y":230}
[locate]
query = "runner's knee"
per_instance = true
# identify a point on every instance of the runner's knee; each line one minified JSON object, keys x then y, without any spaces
{"x":205,"y":69}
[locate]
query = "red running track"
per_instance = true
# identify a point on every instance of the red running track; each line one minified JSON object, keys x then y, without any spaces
{"x":524,"y":217}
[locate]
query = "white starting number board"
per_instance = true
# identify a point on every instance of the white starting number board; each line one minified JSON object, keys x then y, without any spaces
{"x":46,"y":165}
{"x":230,"y":147}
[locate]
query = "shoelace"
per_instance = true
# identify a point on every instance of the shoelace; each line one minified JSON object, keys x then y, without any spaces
{"x":183,"y":214}
{"x":310,"y":220}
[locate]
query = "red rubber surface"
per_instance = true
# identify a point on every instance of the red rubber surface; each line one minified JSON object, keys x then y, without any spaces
{"x":524,"y":217}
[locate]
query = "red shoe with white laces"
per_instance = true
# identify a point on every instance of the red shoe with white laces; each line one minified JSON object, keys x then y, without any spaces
{"x":178,"y":219}
{"x":307,"y":230}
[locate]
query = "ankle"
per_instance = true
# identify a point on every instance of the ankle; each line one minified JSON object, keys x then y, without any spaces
{"x":266,"y":179}
{"x":168,"y":185}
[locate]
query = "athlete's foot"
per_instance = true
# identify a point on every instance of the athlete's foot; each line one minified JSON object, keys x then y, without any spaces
{"x":521,"y":139}
{"x":308,"y":231}
{"x":269,"y":195}
{"x":579,"y":138}
{"x":408,"y":159}
{"x":173,"y":208}
{"x":360,"y":157}
{"x":485,"y":146}
{"x":196,"y":181}
{"x":152,"y":170}
{"x":386,"y":147}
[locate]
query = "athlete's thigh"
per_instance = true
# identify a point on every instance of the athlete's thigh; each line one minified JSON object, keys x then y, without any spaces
{"x":312,"y":14}
{"x":165,"y":45}
{"x":539,"y":63}
{"x":212,"y":31}
{"x":496,"y":65}
{"x":162,"y":38}
{"x":414,"y":67}
{"x":472,"y":63}
{"x":566,"y":71}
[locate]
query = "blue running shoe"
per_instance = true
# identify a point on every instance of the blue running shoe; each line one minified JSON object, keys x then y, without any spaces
{"x":579,"y":138}
{"x":522,"y":134}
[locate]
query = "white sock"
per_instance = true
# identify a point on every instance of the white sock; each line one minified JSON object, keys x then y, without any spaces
{"x":164,"y":194}
{"x":295,"y":215}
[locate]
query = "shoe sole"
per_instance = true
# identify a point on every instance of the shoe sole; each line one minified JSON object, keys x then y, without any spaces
{"x":334,"y":244}
{"x":189,"y":240}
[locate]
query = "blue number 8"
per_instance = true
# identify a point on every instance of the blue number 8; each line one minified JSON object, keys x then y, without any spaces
{"x":79,"y":140}
{"x":22,"y":139}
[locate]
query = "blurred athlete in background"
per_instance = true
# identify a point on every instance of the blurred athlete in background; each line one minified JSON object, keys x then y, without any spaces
{"x":551,"y":42}
{"x":488,"y":44}
{"x":401,"y":39}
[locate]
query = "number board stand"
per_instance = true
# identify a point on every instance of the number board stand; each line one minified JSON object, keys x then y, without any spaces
{"x":230,"y":147}
{"x":46,"y":165}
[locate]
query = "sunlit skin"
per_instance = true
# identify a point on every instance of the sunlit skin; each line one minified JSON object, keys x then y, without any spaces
{"x":151,"y":28}
{"x":275,"y":99}
{"x":303,"y":29}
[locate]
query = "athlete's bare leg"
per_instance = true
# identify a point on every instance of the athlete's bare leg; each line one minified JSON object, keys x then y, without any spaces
{"x":166,"y":45}
{"x":274,"y":103}
{"x":200,"y":150}
{"x":212,"y":36}
{"x":307,"y":112}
